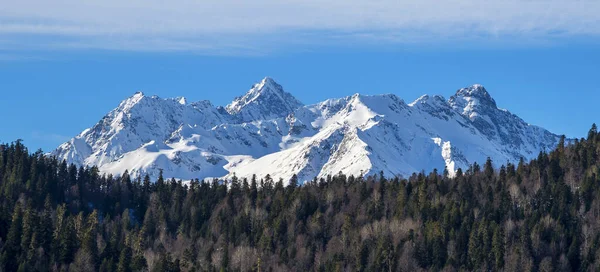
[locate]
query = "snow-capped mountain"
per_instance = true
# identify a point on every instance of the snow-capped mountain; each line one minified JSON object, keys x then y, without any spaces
{"x":264,"y":101}
{"x":268,"y":131}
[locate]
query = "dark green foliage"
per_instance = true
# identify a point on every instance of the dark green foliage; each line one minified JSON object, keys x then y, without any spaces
{"x":536,"y":215}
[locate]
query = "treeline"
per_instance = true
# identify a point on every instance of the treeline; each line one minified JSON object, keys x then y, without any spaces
{"x":542,"y":215}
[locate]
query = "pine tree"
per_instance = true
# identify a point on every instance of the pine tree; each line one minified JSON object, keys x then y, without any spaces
{"x":12,"y":247}
{"x":293,"y":182}
{"x":401,"y":199}
{"x":124,"y":260}
{"x":488,"y":169}
{"x":29,"y":222}
{"x":139,"y":263}
{"x":63,"y":237}
{"x":592,"y":133}
{"x":475,"y":248}
{"x":253,"y":190}
{"x":498,"y":248}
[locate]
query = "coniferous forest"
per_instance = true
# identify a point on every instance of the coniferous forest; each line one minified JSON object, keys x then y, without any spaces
{"x":542,"y":215}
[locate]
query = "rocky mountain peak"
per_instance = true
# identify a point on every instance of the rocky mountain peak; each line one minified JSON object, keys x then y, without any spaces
{"x":265,"y":100}
{"x":478,"y":92}
{"x":473,"y":101}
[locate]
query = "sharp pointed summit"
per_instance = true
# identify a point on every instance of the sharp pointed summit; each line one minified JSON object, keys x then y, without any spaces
{"x":473,"y":101}
{"x":476,"y":91}
{"x":265,"y":100}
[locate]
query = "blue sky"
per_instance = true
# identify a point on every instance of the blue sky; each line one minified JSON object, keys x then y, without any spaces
{"x":63,"y":66}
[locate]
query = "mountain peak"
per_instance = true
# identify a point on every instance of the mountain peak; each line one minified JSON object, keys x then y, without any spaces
{"x":267,"y":84}
{"x":478,"y":92}
{"x":265,"y":100}
{"x":137,"y":96}
{"x":131,"y":101}
{"x":268,"y":80}
{"x":473,"y":101}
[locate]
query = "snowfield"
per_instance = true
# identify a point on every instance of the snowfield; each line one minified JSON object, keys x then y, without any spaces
{"x":268,"y":131}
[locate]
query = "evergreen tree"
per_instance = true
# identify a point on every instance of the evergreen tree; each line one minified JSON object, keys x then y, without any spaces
{"x":498,"y":248}
{"x":592,"y":132}
{"x":293,"y":182}
{"x":12,"y":246}
{"x":124,"y":260}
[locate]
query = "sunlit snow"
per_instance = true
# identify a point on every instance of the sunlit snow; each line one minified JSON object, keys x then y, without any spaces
{"x":268,"y":131}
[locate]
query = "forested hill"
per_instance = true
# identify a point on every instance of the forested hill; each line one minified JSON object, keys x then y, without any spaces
{"x":541,"y":215}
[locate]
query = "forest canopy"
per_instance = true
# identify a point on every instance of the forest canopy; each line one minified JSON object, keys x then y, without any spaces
{"x":540,"y":215}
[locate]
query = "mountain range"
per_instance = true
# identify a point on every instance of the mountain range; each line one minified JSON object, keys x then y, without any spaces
{"x":269,"y":131}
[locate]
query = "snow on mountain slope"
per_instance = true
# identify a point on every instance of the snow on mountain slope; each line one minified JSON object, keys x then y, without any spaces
{"x":265,"y":100}
{"x":500,"y":126}
{"x":268,"y":131}
{"x":138,"y":120}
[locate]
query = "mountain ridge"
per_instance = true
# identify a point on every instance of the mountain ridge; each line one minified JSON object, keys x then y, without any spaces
{"x":268,"y":131}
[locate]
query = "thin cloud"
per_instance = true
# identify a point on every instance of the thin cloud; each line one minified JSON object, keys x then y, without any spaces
{"x":16,"y":57}
{"x":260,"y":26}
